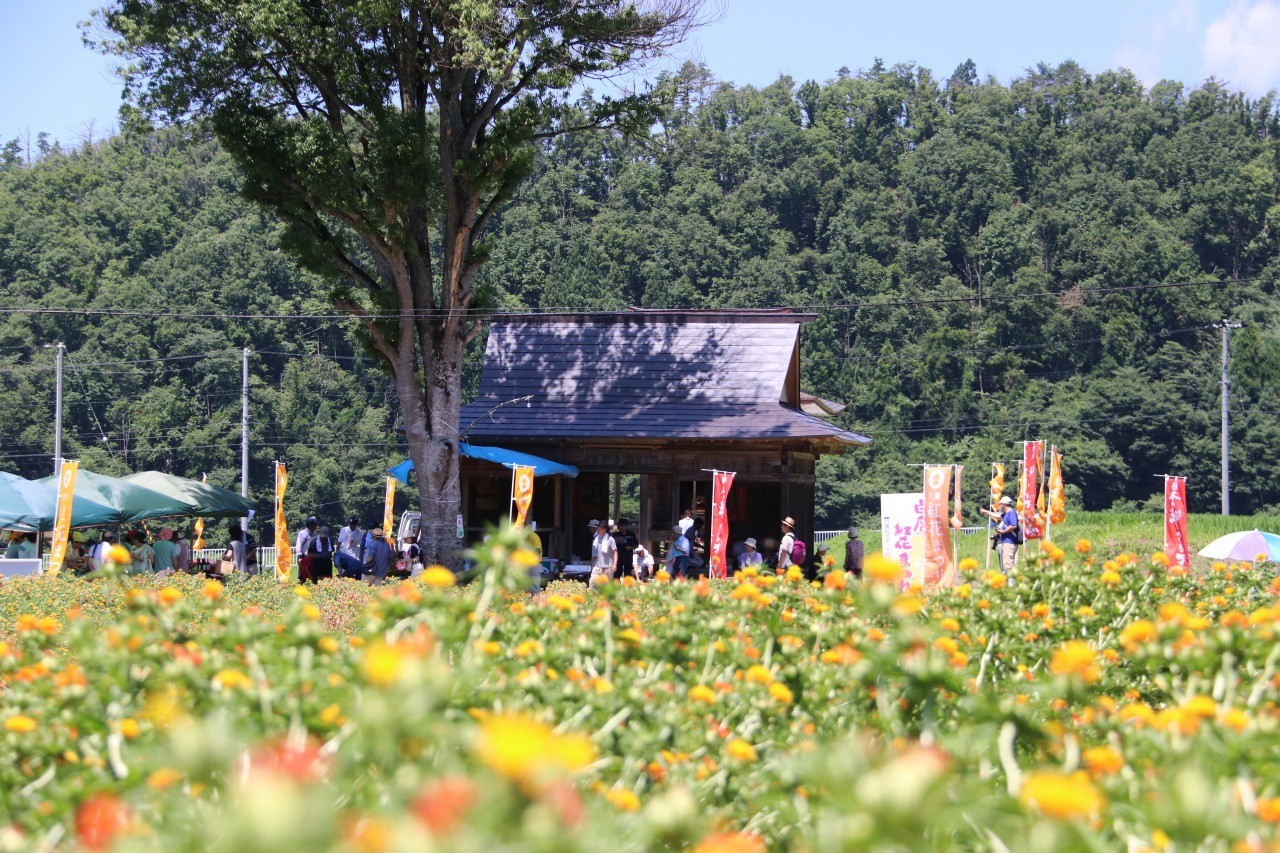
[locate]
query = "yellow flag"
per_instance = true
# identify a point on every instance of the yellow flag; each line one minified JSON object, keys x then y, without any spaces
{"x":1057,"y":491}
{"x":62,"y":518}
{"x":199,"y":543}
{"x":389,"y":513}
{"x":522,"y":492}
{"x":997,"y":484}
{"x":284,"y":554}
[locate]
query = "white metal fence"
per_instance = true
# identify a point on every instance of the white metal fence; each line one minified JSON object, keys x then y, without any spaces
{"x":266,"y":555}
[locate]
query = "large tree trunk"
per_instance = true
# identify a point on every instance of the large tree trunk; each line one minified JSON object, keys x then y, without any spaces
{"x":431,"y":406}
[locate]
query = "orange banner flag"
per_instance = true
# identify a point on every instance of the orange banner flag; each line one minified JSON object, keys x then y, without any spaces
{"x":284,"y":554}
{"x":199,"y":543}
{"x":1029,"y":490}
{"x":937,"y":534}
{"x":521,"y":492}
{"x":1057,"y":490}
{"x":997,"y":484}
{"x":957,"y":517}
{"x":389,"y":513}
{"x":62,"y":518}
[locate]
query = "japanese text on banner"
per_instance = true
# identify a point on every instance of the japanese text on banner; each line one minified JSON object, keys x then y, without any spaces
{"x":937,"y":530}
{"x":1175,"y":523}
{"x":62,"y":517}
{"x":522,"y":492}
{"x":902,"y":533}
{"x":720,"y":522}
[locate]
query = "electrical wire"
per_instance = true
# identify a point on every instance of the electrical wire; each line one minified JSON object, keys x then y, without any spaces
{"x":409,"y":313}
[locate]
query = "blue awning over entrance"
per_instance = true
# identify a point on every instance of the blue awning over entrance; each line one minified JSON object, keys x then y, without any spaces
{"x":507,"y":458}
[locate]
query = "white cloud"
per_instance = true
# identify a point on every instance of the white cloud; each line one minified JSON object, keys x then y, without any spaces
{"x":1243,"y":46}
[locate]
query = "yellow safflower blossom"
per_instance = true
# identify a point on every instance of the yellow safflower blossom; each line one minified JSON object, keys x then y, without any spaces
{"x":20,"y":724}
{"x":526,"y":750}
{"x":1076,"y":657}
{"x":1060,"y":796}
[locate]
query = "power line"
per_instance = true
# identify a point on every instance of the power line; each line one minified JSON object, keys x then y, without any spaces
{"x":409,"y":313}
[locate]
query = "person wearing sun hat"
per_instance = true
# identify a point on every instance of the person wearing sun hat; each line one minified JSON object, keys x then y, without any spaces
{"x":788,"y":540}
{"x":1007,"y":534}
{"x":854,"y":553}
{"x":751,"y":555}
{"x":377,"y":557}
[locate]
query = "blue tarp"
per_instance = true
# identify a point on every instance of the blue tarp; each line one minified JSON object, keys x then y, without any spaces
{"x":506,"y":458}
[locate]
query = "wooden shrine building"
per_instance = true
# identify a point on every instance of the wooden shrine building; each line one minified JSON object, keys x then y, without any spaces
{"x":665,"y":396}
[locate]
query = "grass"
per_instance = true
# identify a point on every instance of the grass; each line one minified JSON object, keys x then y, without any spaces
{"x":1110,"y":532}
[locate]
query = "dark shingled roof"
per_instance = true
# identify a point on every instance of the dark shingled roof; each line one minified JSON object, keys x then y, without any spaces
{"x":654,"y":375}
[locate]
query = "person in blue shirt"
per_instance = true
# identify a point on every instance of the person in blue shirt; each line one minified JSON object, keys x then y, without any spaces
{"x":377,"y":557}
{"x":1007,"y":533}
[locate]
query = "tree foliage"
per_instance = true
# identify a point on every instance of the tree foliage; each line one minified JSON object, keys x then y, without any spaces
{"x":1006,"y":262}
{"x":386,"y":136}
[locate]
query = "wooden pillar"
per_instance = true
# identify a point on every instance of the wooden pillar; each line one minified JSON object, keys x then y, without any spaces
{"x":556,"y":544}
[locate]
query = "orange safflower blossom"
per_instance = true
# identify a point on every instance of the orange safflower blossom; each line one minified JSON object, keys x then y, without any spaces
{"x":1077,"y":658}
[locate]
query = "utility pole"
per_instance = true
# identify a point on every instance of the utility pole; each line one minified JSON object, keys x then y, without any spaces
{"x":57,"y":411}
{"x":244,"y":433}
{"x":1226,"y":326}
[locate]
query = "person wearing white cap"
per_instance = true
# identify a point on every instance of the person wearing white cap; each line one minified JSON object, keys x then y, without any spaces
{"x":605,"y":553}
{"x":642,"y":563}
{"x":750,"y":556}
{"x":1008,"y":534}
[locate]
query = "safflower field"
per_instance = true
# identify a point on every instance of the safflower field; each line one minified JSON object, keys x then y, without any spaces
{"x":1083,"y":701}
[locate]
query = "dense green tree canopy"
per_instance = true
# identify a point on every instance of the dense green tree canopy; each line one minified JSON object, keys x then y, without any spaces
{"x":991,"y":263}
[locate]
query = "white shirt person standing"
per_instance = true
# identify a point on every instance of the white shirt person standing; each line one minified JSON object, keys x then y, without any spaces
{"x":788,"y":541}
{"x":605,"y":554}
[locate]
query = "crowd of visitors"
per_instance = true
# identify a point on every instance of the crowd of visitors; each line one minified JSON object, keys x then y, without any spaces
{"x":616,"y":552}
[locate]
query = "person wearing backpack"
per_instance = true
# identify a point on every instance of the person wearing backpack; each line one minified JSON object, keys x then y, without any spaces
{"x":1008,"y":534}
{"x":791,"y":551}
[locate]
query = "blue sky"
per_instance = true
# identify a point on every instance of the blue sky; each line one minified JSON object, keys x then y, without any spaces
{"x":50,"y":81}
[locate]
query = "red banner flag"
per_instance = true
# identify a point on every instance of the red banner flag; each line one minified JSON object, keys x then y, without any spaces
{"x":1175,"y":523}
{"x":937,"y":531}
{"x":721,"y":482}
{"x":1029,"y":489}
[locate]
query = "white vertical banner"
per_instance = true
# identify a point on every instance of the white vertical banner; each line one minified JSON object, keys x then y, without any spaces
{"x":902,"y":533}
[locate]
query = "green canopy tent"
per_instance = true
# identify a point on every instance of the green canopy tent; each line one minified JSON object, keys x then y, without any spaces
{"x":201,"y":498}
{"x":129,"y":502}
{"x":31,"y":506}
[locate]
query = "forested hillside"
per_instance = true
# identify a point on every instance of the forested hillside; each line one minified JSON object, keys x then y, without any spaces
{"x":989,"y":262}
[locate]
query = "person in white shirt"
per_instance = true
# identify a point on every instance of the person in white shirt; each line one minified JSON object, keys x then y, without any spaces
{"x":350,"y":538}
{"x":27,"y":547}
{"x":642,"y":563}
{"x":302,"y":545}
{"x":788,"y":540}
{"x":605,"y":552}
{"x":100,"y":551}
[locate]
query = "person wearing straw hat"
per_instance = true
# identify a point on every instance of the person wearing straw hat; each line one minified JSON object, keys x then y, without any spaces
{"x":751,"y":555}
{"x":377,"y":557}
{"x":788,"y":540}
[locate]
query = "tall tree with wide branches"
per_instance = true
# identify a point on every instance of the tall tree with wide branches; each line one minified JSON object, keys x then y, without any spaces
{"x":386,"y":134}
